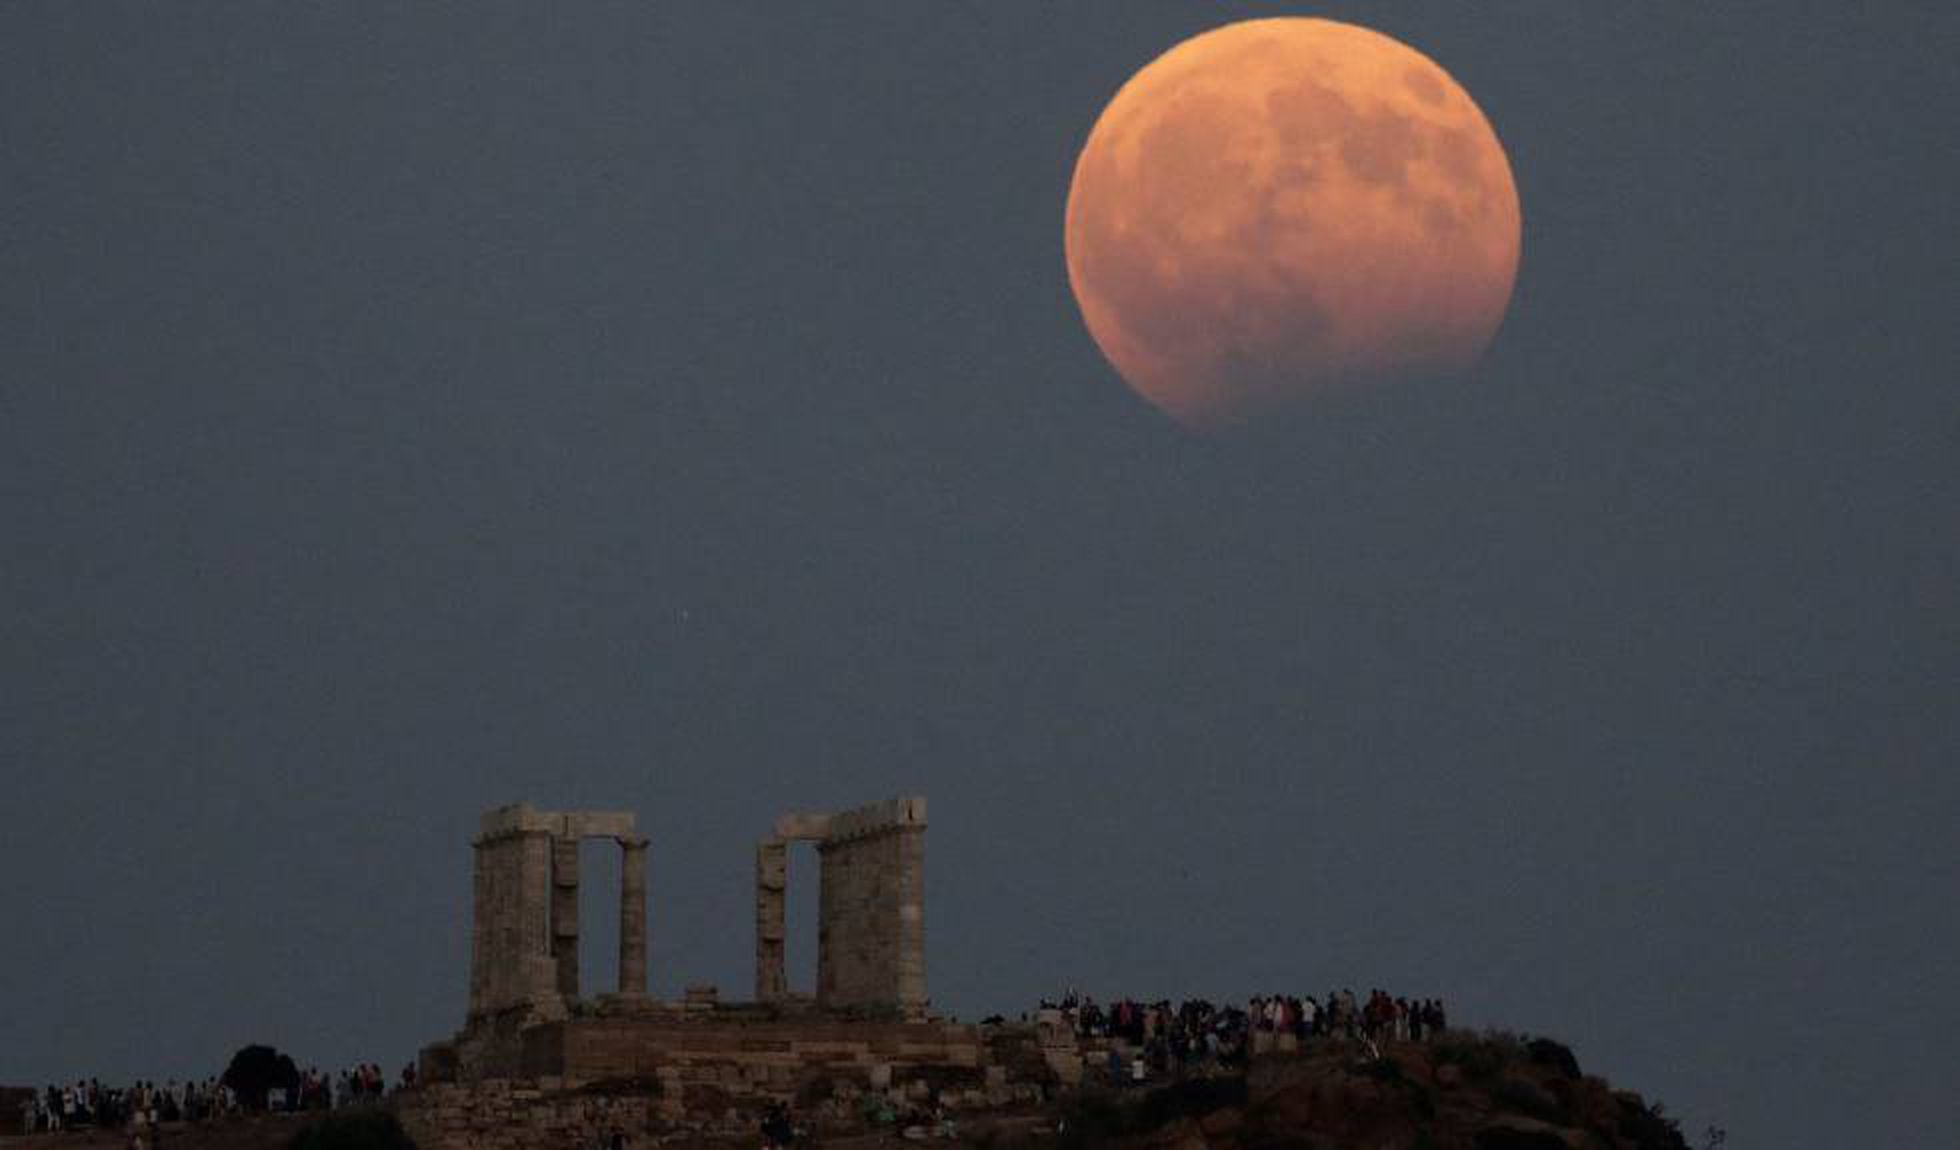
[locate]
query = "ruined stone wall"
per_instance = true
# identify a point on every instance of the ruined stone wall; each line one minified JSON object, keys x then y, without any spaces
{"x":768,"y":1052}
{"x":871,"y":916}
{"x":506,"y":1114}
{"x":649,"y":1078}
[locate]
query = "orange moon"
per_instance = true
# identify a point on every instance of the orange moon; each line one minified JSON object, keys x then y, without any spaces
{"x":1278,"y":209}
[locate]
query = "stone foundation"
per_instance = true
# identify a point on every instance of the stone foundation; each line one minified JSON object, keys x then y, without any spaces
{"x":716,"y":1071}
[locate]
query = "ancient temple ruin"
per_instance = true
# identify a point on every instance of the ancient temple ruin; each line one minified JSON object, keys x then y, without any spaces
{"x":526,"y":1012}
{"x":537,"y":1063}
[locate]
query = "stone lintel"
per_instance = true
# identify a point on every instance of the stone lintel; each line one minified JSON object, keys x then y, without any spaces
{"x":804,"y":826}
{"x":598,"y":825}
{"x":900,"y":814}
{"x":517,"y":818}
{"x":523,"y":818}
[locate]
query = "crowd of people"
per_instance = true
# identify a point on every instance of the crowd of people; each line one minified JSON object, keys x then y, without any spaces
{"x":148,"y":1106}
{"x":89,"y":1104}
{"x":1163,"y":1038}
{"x":353,"y":1086}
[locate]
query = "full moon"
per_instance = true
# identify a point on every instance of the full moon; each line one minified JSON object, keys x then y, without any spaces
{"x":1279,"y":209}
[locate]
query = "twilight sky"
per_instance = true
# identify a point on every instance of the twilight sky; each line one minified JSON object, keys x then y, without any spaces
{"x":407,"y":410}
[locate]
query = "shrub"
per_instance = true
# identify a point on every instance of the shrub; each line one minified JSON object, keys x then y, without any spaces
{"x":360,"y":1130}
{"x":1092,"y":1121}
{"x":1648,"y":1127}
{"x":1527,"y":1097}
{"x":257,"y":1071}
{"x":815,"y":1091}
{"x":1096,"y":1120}
{"x":1505,"y":1138}
{"x":1557,"y":1055}
{"x":1190,"y":1098}
{"x":1482,"y":1058}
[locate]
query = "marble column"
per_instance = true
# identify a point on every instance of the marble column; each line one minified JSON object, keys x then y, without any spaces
{"x":909,"y":889}
{"x":564,"y":914}
{"x":633,"y":917}
{"x":771,"y":887}
{"x":481,"y":928}
{"x":536,"y":969}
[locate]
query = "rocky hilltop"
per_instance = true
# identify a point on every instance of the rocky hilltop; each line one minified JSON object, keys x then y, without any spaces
{"x":1459,"y":1092}
{"x":1463,"y":1092}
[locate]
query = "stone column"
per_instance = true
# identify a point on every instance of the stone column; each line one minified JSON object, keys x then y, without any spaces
{"x":633,"y":917}
{"x":537,"y":971}
{"x":480,"y":927}
{"x":871,"y":909}
{"x":499,"y":929}
{"x":910,"y":889}
{"x":564,"y":914}
{"x":525,"y":882}
{"x":839,"y":930}
{"x":771,"y":886}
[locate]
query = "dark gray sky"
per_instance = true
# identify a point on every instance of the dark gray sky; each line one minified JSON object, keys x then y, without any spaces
{"x":406,"y":410}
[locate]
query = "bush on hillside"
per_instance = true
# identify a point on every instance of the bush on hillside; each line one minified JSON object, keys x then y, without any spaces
{"x":1557,"y":1055}
{"x":1646,"y":1124}
{"x":257,"y":1071}
{"x":1523,"y":1096}
{"x":1483,"y":1058}
{"x":1099,"y":1118}
{"x":360,"y":1130}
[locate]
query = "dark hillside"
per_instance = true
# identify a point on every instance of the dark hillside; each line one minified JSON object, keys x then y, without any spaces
{"x":1462,"y":1093}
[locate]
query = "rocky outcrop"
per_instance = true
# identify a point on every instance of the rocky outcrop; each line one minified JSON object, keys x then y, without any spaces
{"x":1461,"y":1093}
